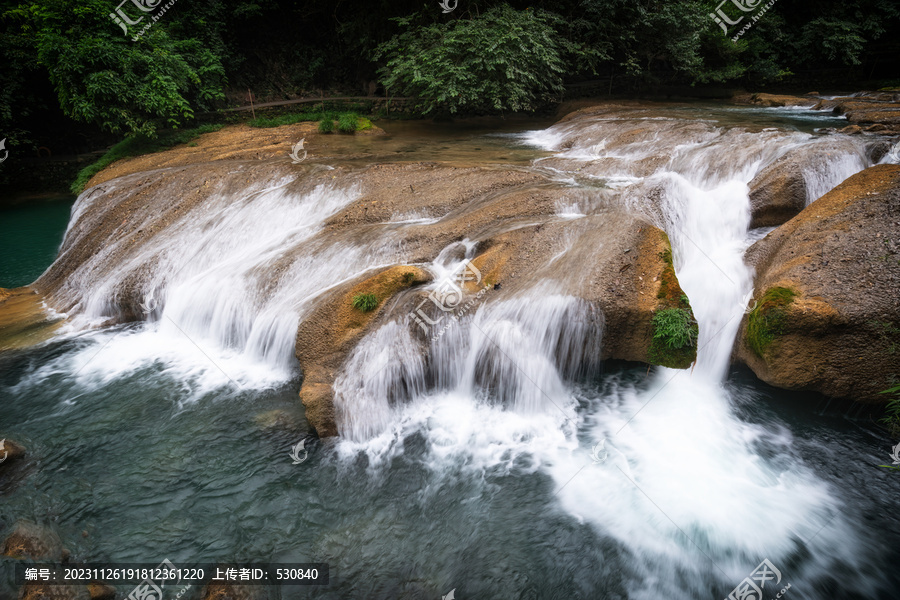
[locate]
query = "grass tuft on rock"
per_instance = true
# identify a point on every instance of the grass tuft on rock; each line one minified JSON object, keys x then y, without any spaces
{"x":326,"y":125}
{"x":365,"y":302}
{"x":769,"y":318}
{"x":675,"y":334}
{"x":348,"y":122}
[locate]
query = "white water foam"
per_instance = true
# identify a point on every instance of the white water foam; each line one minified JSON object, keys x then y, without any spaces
{"x":697,"y":495}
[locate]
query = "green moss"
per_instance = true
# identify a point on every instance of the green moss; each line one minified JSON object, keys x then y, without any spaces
{"x":669,"y":290}
{"x":675,"y":333}
{"x":365,"y":302}
{"x":288,"y":119}
{"x":769,"y":318}
{"x":136,"y":146}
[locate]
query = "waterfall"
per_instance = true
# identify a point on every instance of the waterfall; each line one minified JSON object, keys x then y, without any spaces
{"x":664,"y":465}
{"x":694,"y":492}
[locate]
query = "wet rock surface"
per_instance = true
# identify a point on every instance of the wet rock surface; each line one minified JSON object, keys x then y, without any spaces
{"x":835,"y":328}
{"x":784,"y":188}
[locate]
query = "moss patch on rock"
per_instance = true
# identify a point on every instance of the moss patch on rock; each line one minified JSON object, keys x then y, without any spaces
{"x":675,"y":330}
{"x":768,"y":319}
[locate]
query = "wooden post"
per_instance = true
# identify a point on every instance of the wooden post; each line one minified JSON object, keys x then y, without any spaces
{"x":251,"y":103}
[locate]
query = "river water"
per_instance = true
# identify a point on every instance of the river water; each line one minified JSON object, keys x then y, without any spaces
{"x":511,"y":470}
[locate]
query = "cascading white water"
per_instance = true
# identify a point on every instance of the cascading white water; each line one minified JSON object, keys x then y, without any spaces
{"x":696,"y":494}
{"x":689,"y":491}
{"x":216,"y":313}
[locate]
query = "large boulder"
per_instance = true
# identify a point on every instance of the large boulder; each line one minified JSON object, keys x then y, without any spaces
{"x":827,"y":313}
{"x":623,"y":267}
{"x":782,"y":189}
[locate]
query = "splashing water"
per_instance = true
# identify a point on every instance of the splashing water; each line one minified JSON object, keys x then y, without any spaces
{"x":446,"y":442}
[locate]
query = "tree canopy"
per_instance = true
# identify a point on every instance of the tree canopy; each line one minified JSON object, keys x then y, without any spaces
{"x":485,"y":55}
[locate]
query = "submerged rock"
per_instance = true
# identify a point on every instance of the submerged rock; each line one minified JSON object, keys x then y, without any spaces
{"x":231,"y":591}
{"x":37,"y":542}
{"x":37,"y":591}
{"x":827,"y":316}
{"x":10,"y":452}
{"x":23,"y":319}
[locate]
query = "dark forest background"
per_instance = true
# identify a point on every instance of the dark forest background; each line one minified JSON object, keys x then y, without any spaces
{"x":71,"y":79}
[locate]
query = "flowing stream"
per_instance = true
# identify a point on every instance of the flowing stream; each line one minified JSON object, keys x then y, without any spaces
{"x":509,"y":462}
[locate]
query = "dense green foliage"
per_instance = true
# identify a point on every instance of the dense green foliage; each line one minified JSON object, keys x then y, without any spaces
{"x":768,"y":319}
{"x":136,"y":146}
{"x":365,"y":302}
{"x":69,"y":63}
{"x":348,"y":122}
{"x":502,"y":60}
{"x":122,"y":86}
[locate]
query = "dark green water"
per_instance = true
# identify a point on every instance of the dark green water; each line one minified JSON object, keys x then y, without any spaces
{"x":30,"y":235}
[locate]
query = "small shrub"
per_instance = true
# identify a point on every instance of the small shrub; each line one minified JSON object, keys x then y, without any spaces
{"x":675,"y":328}
{"x":326,"y":125}
{"x":674,"y":343}
{"x":365,"y":302}
{"x":769,"y":318}
{"x":408,"y":278}
{"x":348,"y":122}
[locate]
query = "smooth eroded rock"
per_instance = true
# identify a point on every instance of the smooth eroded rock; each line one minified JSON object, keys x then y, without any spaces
{"x":782,"y":189}
{"x":828,"y":307}
{"x":326,"y":337}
